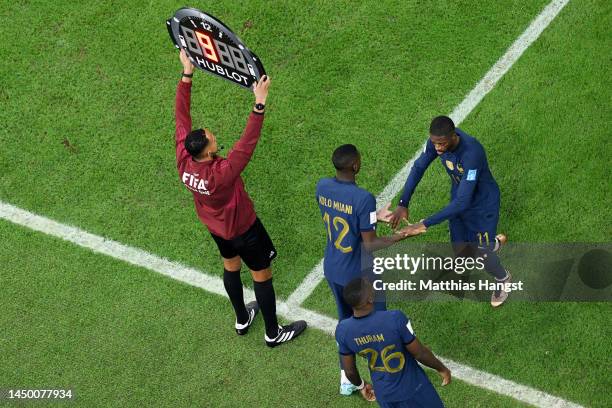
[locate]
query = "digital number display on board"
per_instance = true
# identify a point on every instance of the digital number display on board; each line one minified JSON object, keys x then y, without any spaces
{"x":213,"y":47}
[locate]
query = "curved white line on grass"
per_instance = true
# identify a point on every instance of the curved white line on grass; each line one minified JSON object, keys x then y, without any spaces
{"x":482,"y":88}
{"x":214,"y":285}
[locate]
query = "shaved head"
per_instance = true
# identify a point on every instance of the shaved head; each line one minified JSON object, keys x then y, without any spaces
{"x":345,"y":157}
{"x":442,"y":126}
{"x":357,"y":292}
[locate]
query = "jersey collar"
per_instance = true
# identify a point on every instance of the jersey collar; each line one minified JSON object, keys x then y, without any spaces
{"x":364,"y":316}
{"x":343,"y":182}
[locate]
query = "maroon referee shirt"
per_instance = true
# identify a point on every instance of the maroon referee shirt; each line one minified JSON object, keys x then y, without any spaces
{"x":220,"y":199}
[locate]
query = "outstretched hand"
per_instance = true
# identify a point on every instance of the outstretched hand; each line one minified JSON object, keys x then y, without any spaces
{"x":186,"y":62}
{"x":446,"y":376}
{"x":384,"y":214}
{"x":400,"y":213}
{"x":412,"y":229}
{"x":260,"y":89}
{"x":367,"y":392}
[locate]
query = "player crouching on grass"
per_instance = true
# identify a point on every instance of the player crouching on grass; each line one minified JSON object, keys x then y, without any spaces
{"x":386,"y":339}
{"x":223,"y":205}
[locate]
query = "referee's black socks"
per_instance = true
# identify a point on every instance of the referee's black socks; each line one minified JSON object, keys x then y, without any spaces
{"x":233,"y":287}
{"x":266,"y":299}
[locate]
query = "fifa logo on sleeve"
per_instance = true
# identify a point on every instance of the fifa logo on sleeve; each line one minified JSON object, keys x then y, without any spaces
{"x":471,"y":176}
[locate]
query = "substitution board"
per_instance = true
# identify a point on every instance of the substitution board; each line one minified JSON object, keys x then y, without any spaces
{"x":213,"y":47}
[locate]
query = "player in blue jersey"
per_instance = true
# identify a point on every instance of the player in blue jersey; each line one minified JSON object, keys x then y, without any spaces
{"x":350,"y":217}
{"x":386,"y":339}
{"x":473,"y":211}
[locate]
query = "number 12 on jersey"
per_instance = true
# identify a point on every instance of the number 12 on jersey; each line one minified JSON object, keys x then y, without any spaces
{"x":341,"y":228}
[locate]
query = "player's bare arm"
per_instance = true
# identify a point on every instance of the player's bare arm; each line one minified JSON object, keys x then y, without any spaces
{"x":372,"y":242}
{"x":350,"y":368}
{"x":424,"y":356}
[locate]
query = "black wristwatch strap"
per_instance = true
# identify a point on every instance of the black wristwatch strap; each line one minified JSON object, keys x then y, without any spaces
{"x":187,"y":75}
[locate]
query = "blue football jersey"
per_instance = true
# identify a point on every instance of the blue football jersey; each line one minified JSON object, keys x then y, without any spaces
{"x":474,"y":191}
{"x":381,"y":337}
{"x":347,"y":211}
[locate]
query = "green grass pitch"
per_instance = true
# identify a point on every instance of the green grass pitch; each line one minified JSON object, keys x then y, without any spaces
{"x":87,"y":139}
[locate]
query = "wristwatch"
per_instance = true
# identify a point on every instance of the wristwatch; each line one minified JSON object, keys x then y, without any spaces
{"x":260,"y":106}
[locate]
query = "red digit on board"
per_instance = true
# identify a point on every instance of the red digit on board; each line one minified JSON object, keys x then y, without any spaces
{"x":207,"y":46}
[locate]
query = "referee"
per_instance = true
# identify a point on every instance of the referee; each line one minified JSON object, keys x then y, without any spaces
{"x":223,"y":205}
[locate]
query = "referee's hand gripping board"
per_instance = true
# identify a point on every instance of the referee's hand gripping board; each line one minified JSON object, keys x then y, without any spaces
{"x":214,"y":48}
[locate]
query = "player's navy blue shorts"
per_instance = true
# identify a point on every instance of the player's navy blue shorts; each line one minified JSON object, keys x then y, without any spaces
{"x":344,"y":309}
{"x":425,"y":397}
{"x":475,"y":227}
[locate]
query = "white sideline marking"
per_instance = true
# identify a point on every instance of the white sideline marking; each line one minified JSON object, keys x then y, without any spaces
{"x":214,"y":285}
{"x":482,"y":88}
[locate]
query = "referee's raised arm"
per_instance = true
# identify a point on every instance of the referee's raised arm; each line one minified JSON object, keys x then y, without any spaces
{"x":183,"y":108}
{"x":241,"y":153}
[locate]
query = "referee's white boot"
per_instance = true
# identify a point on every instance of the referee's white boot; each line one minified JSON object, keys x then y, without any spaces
{"x":286,"y":333}
{"x":252,"y":309}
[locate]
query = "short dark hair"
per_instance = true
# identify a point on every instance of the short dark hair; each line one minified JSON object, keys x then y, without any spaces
{"x":344,"y":156}
{"x":441,"y":126}
{"x":195,"y":142}
{"x":356,"y":291}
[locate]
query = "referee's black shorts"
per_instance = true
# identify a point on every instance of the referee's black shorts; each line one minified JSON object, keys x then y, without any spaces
{"x":254,"y":247}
